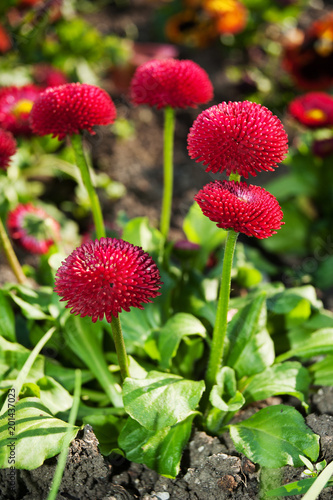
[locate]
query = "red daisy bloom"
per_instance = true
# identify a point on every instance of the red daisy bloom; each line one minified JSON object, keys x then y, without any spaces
{"x":314,"y":109}
{"x":71,"y":108}
{"x":246,"y":209}
{"x":32,"y":228}
{"x":104,"y":276}
{"x":15,"y":107}
{"x":7,"y":148}
{"x":239,"y":137}
{"x":170,"y":82}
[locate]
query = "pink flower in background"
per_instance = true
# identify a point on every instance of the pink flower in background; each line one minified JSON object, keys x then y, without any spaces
{"x":32,"y":228}
{"x":106,"y":276}
{"x":314,"y":109}
{"x":237,"y":137}
{"x":7,"y":148}
{"x":15,"y":107}
{"x":71,"y":108}
{"x":246,"y":209}
{"x":171,"y":82}
{"x":48,"y":76}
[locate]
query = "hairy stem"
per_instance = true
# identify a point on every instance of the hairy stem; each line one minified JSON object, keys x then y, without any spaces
{"x":10,"y":255}
{"x":220,"y":327}
{"x":81,"y":162}
{"x":169,"y":127}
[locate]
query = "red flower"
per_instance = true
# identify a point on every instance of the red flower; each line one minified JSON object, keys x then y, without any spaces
{"x":314,"y":109}
{"x":15,"y":107}
{"x":246,"y":209}
{"x":48,"y":76}
{"x":7,"y":148}
{"x":170,"y":82}
{"x":242,"y":137}
{"x":32,"y":228}
{"x":104,"y":276}
{"x":70,"y":108}
{"x":308,"y":54}
{"x":5,"y":43}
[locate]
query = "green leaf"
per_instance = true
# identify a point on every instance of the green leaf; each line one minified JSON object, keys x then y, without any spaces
{"x":224,"y":394}
{"x":137,"y":325}
{"x":224,"y":398}
{"x":283,"y":190}
{"x":275,"y":436}
{"x":292,"y":237}
{"x":161,"y":399}
{"x":248,"y":276}
{"x":28,"y":310}
{"x":65,"y":376}
{"x":285,"y":378}
{"x":7,"y":323}
{"x":321,"y":319}
{"x":250,"y":349}
{"x":201,"y":230}
{"x":53,"y":395}
{"x":322,"y":371}
{"x":80,"y":336}
{"x":290,"y":489}
{"x":286,"y":301}
{"x":307,"y":345}
{"x":22,"y":375}
{"x":320,"y":483}
{"x":160,"y":451}
{"x":38,"y":435}
{"x":12,"y":358}
{"x":189,"y":352}
{"x":169,"y":337}
{"x":29,"y":390}
{"x":138,"y":232}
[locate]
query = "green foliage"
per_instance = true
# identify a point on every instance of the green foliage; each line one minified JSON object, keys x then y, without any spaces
{"x":275,"y":436}
{"x":38,"y":435}
{"x":274,"y":334}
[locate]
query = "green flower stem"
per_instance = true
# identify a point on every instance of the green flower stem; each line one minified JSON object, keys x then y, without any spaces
{"x":81,"y":162}
{"x":120,"y":347}
{"x":220,"y":328}
{"x":234,"y":177}
{"x":169,"y":127}
{"x":11,"y":256}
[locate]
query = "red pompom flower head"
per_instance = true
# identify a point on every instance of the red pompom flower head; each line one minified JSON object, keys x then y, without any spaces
{"x":171,"y":82}
{"x":15,"y":107}
{"x":246,"y":209}
{"x":7,"y":148}
{"x":314,"y":109}
{"x":238,"y":137}
{"x":106,"y":276}
{"x":68,"y":109}
{"x":32,"y":228}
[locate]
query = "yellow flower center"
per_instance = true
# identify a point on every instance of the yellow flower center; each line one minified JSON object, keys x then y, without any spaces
{"x":316,"y":114}
{"x":22,"y":107}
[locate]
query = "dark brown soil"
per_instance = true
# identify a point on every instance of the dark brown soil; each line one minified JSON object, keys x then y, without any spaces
{"x":211,"y":469}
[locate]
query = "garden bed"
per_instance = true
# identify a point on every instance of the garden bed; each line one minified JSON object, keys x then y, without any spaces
{"x":211,"y":468}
